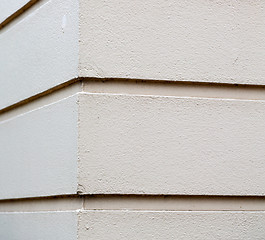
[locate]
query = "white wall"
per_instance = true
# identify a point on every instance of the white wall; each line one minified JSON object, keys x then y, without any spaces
{"x":9,"y":7}
{"x":39,"y":151}
{"x":39,"y":51}
{"x":39,"y":225}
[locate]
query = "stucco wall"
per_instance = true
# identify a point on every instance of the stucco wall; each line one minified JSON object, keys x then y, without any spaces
{"x":132,"y":119}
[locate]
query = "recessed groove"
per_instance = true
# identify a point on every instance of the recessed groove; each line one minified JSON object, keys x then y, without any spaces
{"x":52,"y":95}
{"x":172,"y":88}
{"x":176,"y":203}
{"x":135,"y":202}
{"x":19,"y":13}
{"x":55,"y":203}
{"x":139,"y":87}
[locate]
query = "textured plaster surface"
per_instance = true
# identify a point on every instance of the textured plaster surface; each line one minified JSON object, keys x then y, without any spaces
{"x":200,"y":41}
{"x":197,"y":40}
{"x":132,"y":144}
{"x":98,"y":225}
{"x":171,"y":145}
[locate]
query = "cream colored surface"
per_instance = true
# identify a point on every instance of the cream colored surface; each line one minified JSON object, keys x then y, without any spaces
{"x":196,"y":40}
{"x":179,"y":89}
{"x":69,"y":225}
{"x":132,"y":120}
{"x":155,"y":145}
{"x":98,"y":225}
{"x":131,"y":144}
{"x":174,"y":203}
{"x":134,"y":87}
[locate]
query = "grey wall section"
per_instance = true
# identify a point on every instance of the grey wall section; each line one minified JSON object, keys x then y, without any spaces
{"x":98,"y":225}
{"x":39,"y":152}
{"x":197,"y":40}
{"x":39,"y":52}
{"x":171,"y":145}
{"x":8,"y":7}
{"x":38,"y":225}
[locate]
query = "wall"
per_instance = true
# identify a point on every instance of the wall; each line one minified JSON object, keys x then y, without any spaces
{"x":132,"y":120}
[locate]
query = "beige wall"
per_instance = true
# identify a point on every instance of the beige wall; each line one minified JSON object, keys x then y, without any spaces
{"x":132,"y":120}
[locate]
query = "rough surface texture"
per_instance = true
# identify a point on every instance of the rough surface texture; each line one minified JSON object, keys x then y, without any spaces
{"x":197,"y":40}
{"x":39,"y":52}
{"x":98,"y":225}
{"x":171,"y":145}
{"x":201,"y":41}
{"x":38,"y":225}
{"x":39,"y":152}
{"x":131,"y":144}
{"x":144,"y":145}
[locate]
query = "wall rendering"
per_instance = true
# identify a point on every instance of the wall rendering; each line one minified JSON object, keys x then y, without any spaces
{"x":132,"y":119}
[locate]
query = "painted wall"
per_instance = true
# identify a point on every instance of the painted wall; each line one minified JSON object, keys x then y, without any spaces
{"x":132,"y":119}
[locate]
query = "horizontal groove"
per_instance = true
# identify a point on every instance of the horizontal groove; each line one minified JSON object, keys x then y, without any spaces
{"x":39,"y":95}
{"x":55,"y":203}
{"x":42,"y":99}
{"x":175,"y":203}
{"x":138,"y":87}
{"x":135,"y":202}
{"x":175,"y":88}
{"x":19,"y":13}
